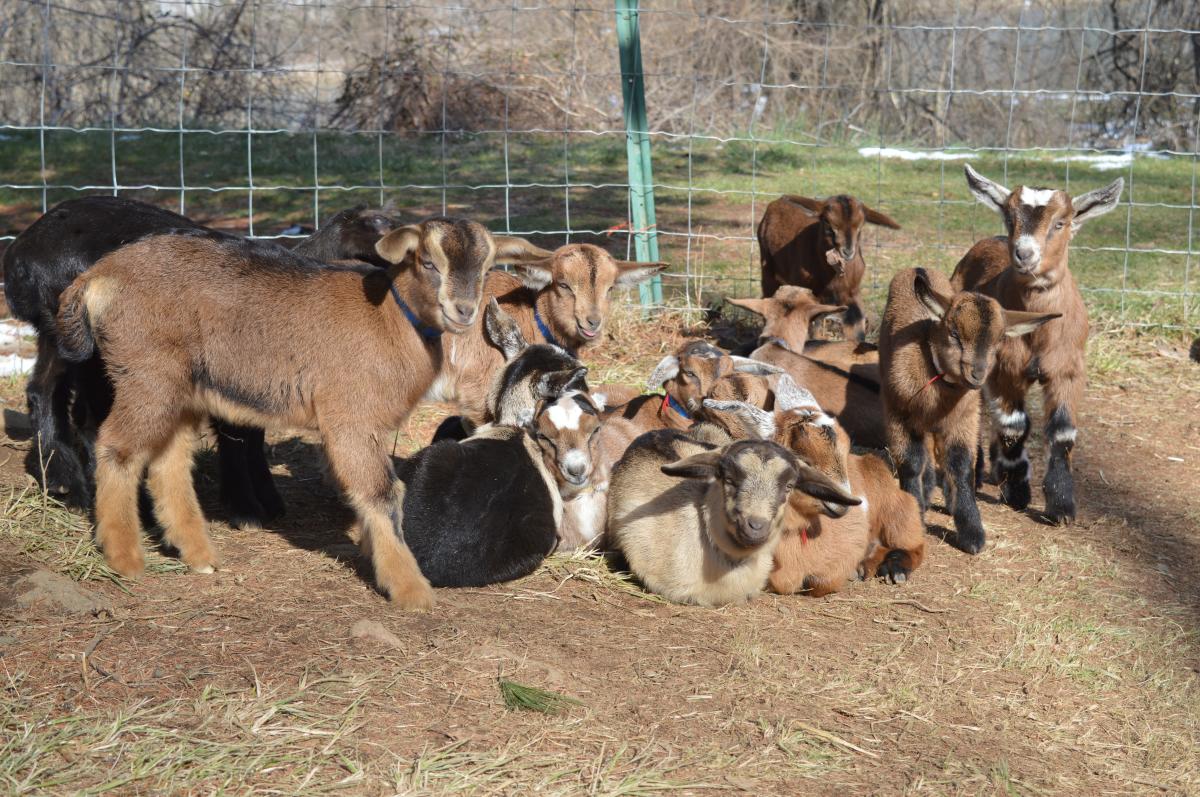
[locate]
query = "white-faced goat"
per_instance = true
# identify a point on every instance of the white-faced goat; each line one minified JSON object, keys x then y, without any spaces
{"x":936,"y":349}
{"x":196,"y":324}
{"x":1027,"y":270}
{"x":700,"y":524}
{"x":815,"y":243}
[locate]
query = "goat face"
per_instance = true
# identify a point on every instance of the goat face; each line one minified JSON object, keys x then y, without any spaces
{"x":361,"y":229}
{"x":967,"y":331}
{"x":788,"y":315}
{"x":816,"y":439}
{"x":447,"y":259}
{"x":579,"y":280}
{"x":689,"y":375}
{"x":842,"y":218}
{"x":1041,"y":221}
{"x":565,"y":431}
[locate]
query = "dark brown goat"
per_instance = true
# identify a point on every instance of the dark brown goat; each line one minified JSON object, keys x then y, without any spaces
{"x":1027,"y":270}
{"x":815,"y":243}
{"x":936,"y":348}
{"x":264,"y":339}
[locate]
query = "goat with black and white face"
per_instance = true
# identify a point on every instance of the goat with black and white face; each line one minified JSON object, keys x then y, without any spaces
{"x":700,"y":524}
{"x":1027,"y":270}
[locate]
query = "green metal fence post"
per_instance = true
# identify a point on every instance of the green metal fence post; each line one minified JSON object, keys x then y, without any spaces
{"x":637,"y":145}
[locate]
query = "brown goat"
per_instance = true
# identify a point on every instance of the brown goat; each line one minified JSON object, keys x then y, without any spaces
{"x":344,"y":351}
{"x":788,"y":315}
{"x":563,"y":299}
{"x":936,"y":348}
{"x":1027,"y":270}
{"x":815,"y":243}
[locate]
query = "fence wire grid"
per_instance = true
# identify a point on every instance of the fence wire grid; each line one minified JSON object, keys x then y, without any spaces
{"x":260,"y":115}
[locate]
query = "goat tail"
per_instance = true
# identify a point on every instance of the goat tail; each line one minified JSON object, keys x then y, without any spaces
{"x":76,"y":342}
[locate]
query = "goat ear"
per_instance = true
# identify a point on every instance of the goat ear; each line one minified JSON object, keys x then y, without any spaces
{"x":503,"y":330}
{"x":790,"y":396}
{"x":510,"y":249}
{"x":989,"y":192}
{"x":759,"y":421}
{"x":1096,"y":203}
{"x":697,"y":466}
{"x":536,"y":274}
{"x":812,"y":482}
{"x":757,"y":306}
{"x":744,"y":365}
{"x":937,"y":304}
{"x":667,"y":368}
{"x":1017,"y":323}
{"x":399,"y":244}
{"x":881,"y":219}
{"x":632,"y":273}
{"x":554,"y":384}
{"x":806,"y":202}
{"x":818,"y":310}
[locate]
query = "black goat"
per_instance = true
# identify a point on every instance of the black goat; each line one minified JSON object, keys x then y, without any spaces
{"x":66,"y":241}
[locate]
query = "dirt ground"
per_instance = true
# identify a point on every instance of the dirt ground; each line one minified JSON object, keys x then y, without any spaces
{"x":1061,"y":660}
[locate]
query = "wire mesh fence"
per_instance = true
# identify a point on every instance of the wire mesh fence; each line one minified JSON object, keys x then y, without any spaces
{"x":258,"y":115}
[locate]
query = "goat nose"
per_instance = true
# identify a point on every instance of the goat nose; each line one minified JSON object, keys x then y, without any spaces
{"x":575,"y":472}
{"x":756,"y":523}
{"x":465,"y":311}
{"x":593,"y":322}
{"x":1026,"y":252}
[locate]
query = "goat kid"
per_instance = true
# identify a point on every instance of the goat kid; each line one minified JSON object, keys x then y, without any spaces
{"x":815,"y":243}
{"x":936,"y":349}
{"x":200,"y":324}
{"x":788,"y":315}
{"x":699,"y":524}
{"x":1027,"y":270}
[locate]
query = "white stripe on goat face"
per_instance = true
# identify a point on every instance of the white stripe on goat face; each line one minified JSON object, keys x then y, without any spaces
{"x":565,"y":413}
{"x":1036,"y":198}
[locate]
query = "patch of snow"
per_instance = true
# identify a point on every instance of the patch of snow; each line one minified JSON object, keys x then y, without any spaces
{"x":13,"y":332}
{"x":910,"y":155}
{"x":1108,"y":161}
{"x":12,"y":364}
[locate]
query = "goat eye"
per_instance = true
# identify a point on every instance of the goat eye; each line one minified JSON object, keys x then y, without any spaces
{"x":1058,"y":225}
{"x":564,"y":286}
{"x":427,"y":263}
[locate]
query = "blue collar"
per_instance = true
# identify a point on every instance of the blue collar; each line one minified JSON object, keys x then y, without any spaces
{"x":423,"y":329}
{"x":547,"y":334}
{"x":669,"y":400}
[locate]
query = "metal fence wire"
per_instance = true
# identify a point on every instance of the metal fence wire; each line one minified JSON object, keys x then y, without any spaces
{"x":258,"y":115}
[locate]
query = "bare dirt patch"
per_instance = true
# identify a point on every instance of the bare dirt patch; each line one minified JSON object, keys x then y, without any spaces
{"x":1060,"y":660}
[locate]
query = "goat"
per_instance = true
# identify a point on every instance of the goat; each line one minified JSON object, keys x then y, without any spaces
{"x":66,"y":241}
{"x":815,"y":243}
{"x":936,"y":349}
{"x":788,"y":315}
{"x":563,"y":299}
{"x":882,"y":537}
{"x":708,"y":539}
{"x":686,"y":377}
{"x":490,"y":508}
{"x":1027,"y":270}
{"x":195,"y":324}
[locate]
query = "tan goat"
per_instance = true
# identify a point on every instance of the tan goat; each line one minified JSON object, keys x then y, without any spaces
{"x":1027,"y":270}
{"x":563,"y":299}
{"x":788,"y":315}
{"x":195,"y":324}
{"x":815,"y":243}
{"x":936,"y":349}
{"x":699,"y":524}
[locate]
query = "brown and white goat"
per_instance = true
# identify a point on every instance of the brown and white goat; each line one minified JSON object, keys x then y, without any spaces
{"x":936,"y":349}
{"x":883,"y":537}
{"x":788,"y":315}
{"x":1027,"y":270}
{"x":699,"y":524}
{"x":815,"y":243}
{"x":563,"y":299}
{"x":261,"y":338}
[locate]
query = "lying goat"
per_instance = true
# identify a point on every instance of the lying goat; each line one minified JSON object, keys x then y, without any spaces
{"x":66,"y":241}
{"x":788,"y":316}
{"x":197,"y":324}
{"x":700,"y":524}
{"x":936,"y":348}
{"x":815,"y":243}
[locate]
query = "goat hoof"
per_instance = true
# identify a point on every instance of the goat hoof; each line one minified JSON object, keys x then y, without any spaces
{"x":128,"y":564}
{"x":415,"y":596}
{"x":894,"y":568}
{"x":1061,"y":513}
{"x":1015,"y":494}
{"x":969,"y":543}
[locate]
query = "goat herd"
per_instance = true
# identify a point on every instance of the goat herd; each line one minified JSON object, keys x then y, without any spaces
{"x":737,"y":476}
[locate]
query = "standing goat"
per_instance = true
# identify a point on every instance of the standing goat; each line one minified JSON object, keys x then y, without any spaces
{"x":66,"y":241}
{"x":562,"y":298}
{"x":699,"y":524}
{"x":936,"y":348}
{"x":1027,"y":270}
{"x":815,"y":243}
{"x":196,"y":324}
